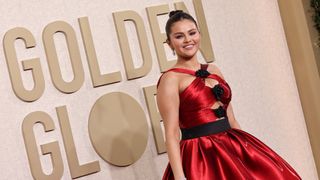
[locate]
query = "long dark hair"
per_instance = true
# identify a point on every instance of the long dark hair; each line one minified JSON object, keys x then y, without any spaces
{"x":175,"y":16}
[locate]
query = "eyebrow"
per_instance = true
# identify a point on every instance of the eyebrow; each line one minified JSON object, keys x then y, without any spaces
{"x":182,"y":32}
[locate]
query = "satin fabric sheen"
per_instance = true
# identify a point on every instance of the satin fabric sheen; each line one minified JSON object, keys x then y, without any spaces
{"x":230,"y":155}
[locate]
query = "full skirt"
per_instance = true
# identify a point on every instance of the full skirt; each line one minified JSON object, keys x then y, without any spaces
{"x":231,"y":155}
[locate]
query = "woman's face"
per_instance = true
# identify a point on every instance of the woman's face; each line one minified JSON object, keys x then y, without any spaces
{"x":184,"y":38}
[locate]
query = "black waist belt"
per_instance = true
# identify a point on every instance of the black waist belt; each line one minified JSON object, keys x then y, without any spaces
{"x":206,"y":129}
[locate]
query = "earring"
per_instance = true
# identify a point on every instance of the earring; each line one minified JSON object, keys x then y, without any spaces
{"x":173,"y":52}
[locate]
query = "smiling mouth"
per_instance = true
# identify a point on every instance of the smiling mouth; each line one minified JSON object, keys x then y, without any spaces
{"x":188,"y":46}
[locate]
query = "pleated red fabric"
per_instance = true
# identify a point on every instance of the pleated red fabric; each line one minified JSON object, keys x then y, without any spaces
{"x":230,"y":155}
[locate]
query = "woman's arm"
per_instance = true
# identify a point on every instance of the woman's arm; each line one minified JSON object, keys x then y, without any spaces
{"x":168,"y":104}
{"x":232,"y":120}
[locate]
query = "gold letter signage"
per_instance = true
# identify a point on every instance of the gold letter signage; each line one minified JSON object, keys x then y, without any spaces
{"x":117,"y":124}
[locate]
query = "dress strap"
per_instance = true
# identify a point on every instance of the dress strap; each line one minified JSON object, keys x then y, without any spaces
{"x":179,"y":70}
{"x":204,"y":66}
{"x":188,"y":71}
{"x":183,"y":70}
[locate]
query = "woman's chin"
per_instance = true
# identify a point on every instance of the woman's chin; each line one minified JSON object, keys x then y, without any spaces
{"x":187,"y":56}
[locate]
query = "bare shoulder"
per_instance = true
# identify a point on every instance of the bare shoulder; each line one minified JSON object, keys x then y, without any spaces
{"x":214,"y":69}
{"x":169,"y":81}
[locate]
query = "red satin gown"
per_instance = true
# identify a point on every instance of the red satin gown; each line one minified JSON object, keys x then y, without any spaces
{"x":230,"y":155}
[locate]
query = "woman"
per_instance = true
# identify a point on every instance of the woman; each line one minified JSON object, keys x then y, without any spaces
{"x":194,"y":98}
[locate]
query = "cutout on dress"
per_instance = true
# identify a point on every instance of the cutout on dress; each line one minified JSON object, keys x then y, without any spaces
{"x":217,"y":91}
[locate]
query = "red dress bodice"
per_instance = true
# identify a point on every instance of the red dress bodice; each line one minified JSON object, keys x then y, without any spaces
{"x":197,"y":99}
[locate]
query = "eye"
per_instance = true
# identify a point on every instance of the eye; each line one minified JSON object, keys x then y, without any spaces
{"x":192,"y":33}
{"x":178,"y":36}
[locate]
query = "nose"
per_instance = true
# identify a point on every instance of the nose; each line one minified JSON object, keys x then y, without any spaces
{"x":187,"y":39}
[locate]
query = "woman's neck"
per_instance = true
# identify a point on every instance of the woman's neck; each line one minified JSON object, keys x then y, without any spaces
{"x":192,"y":64}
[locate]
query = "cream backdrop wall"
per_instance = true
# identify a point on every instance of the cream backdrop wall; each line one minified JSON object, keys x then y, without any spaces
{"x":249,"y":46}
